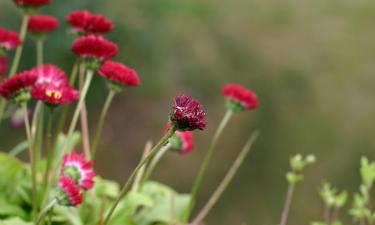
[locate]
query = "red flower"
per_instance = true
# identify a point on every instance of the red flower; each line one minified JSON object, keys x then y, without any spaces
{"x":42,"y":24}
{"x":3,"y":65}
{"x":76,"y":167}
{"x":187,"y":114}
{"x":69,"y":194}
{"x":181,"y":141}
{"x":95,"y":47}
{"x":32,"y":3}
{"x":241,"y":96}
{"x":13,"y":85}
{"x":50,"y":74}
{"x":54,"y":95}
{"x":119,"y":73}
{"x":9,"y":39}
{"x":88,"y":23}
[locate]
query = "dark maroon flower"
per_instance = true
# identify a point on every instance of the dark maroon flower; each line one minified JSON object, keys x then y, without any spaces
{"x":3,"y":65}
{"x":16,"y":87}
{"x":32,"y":3}
{"x":94,"y":47}
{"x":42,"y":24}
{"x":187,"y":114}
{"x":119,"y":73}
{"x":9,"y":40}
{"x":54,"y":95}
{"x":84,"y":22}
{"x":239,"y":97}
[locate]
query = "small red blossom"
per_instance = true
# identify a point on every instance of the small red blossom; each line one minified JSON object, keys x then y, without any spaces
{"x":69,"y":194}
{"x":187,"y":114}
{"x":32,"y":3}
{"x":15,"y":84}
{"x":54,"y":95}
{"x":119,"y":73}
{"x":181,"y":141}
{"x":87,"y":23}
{"x":50,"y":74}
{"x":94,"y":47}
{"x":9,"y":40}
{"x":42,"y":24}
{"x":240,"y":95}
{"x":3,"y":65}
{"x":76,"y":167}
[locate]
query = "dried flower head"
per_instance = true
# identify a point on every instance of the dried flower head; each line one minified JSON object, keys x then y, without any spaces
{"x":239,"y":98}
{"x":42,"y":24}
{"x":32,"y":3}
{"x":85,"y":22}
{"x":69,"y":193}
{"x":187,"y":114}
{"x":18,"y":87}
{"x":9,"y":40}
{"x":3,"y":64}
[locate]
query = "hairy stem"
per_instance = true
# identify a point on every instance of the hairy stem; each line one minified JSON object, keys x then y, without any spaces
{"x":288,"y":202}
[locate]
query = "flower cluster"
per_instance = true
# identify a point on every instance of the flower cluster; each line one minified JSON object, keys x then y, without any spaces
{"x":42,"y":24}
{"x":85,"y":22}
{"x":239,"y":98}
{"x":76,"y":175}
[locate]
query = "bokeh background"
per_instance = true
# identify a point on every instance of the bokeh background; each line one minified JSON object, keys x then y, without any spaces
{"x":310,"y":62}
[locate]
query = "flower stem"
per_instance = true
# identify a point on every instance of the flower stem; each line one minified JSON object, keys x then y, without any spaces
{"x":32,"y":157}
{"x":205,"y":162}
{"x":102,"y":117}
{"x":39,"y":52}
{"x":138,"y":177}
{"x":154,"y":162}
{"x":83,"y":116}
{"x":226,"y":181}
{"x":128,"y":183}
{"x":17,"y":55}
{"x":45,"y":211}
{"x":288,"y":202}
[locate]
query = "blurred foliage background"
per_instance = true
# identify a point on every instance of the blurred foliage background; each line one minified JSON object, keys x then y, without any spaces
{"x":310,"y":62}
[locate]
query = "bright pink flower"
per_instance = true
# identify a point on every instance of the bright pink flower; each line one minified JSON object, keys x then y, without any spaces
{"x":54,"y":95}
{"x":50,"y":74}
{"x":32,"y":3}
{"x":94,"y":47}
{"x":9,"y":40}
{"x":76,"y":167}
{"x":119,"y":73}
{"x":181,"y":141}
{"x":12,"y":86}
{"x":240,"y":95}
{"x":42,"y":24}
{"x":69,"y":193}
{"x":3,"y":65}
{"x":87,"y":23}
{"x":187,"y":114}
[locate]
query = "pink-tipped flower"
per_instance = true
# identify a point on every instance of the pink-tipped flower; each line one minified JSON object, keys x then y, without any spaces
{"x":181,"y":141}
{"x":32,"y":3}
{"x":84,"y":22}
{"x":3,"y":64}
{"x":119,"y":74}
{"x":50,"y":74}
{"x":9,"y":40}
{"x":239,"y":98}
{"x":54,"y":95}
{"x":76,"y":167}
{"x":69,"y":193}
{"x":187,"y":114}
{"x":18,"y":87}
{"x":42,"y":24}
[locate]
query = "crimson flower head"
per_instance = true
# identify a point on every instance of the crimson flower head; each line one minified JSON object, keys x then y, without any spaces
{"x":79,"y":169}
{"x":42,"y":24}
{"x":50,"y":74}
{"x":18,"y":87}
{"x":69,"y":193}
{"x":84,"y":22}
{"x":9,"y":40}
{"x":94,"y":49}
{"x":3,"y":65}
{"x":119,"y":75}
{"x":239,"y":98}
{"x":32,"y":3}
{"x":54,"y":95}
{"x":181,"y":141}
{"x":187,"y":114}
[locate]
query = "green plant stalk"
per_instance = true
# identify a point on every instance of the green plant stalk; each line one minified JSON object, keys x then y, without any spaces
{"x":84,"y":121}
{"x":39,"y":52}
{"x":32,"y":158}
{"x":138,"y":177}
{"x":45,"y":211}
{"x":154,"y":162}
{"x":288,"y":202}
{"x":102,"y":117}
{"x":128,"y":183}
{"x":205,"y":162}
{"x":226,"y":181}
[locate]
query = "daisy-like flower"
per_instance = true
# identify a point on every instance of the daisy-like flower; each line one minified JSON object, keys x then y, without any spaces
{"x":42,"y":24}
{"x":50,"y":74}
{"x":187,"y":114}
{"x":18,"y":87}
{"x":239,"y":98}
{"x":3,"y":64}
{"x":94,"y":49}
{"x":32,"y":3}
{"x":54,"y":95}
{"x":69,"y":193}
{"x":119,"y":75}
{"x":84,"y":22}
{"x":181,"y":141}
{"x":76,"y":167}
{"x":9,"y":40}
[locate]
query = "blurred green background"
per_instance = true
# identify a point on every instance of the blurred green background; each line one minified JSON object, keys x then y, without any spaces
{"x":310,"y":62}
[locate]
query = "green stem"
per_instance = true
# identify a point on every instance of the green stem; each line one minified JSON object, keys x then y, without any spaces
{"x":38,"y":130}
{"x":45,"y":211}
{"x":138,"y":177}
{"x":17,"y":55}
{"x":154,"y":162}
{"x":205,"y":162}
{"x":50,"y":154}
{"x":226,"y":181}
{"x":102,"y":117}
{"x":39,"y":52}
{"x":288,"y":202}
{"x":127,"y":185}
{"x":31,"y":156}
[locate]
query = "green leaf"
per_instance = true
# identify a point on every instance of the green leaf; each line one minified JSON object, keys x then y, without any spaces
{"x":8,"y":208}
{"x":69,"y":214}
{"x":367,"y":172}
{"x":317,"y":223}
{"x":106,"y":188}
{"x":14,"y":221}
{"x":293,"y":178}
